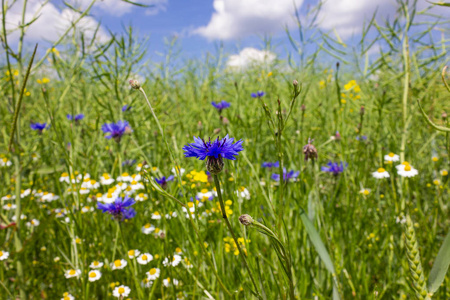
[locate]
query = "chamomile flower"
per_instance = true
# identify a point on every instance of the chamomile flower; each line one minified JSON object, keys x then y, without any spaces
{"x":125,"y":177}
{"x":9,"y":206}
{"x":444,"y":172}
{"x":4,"y":162}
{"x":156,"y":216}
{"x":148,"y":228}
{"x":140,"y":167}
{"x":72,"y":273}
{"x":170,"y":215}
{"x":176,"y":259}
{"x":96,"y":265}
{"x":145,"y":258}
{"x":153,"y":274}
{"x":136,"y":185}
{"x":33,"y":223}
{"x":133,"y":253}
{"x":106,"y":179}
{"x":168,"y":281}
{"x":380,"y":173}
{"x":86,"y":209}
{"x":391,"y":157}
{"x":67,"y":296}
{"x":407,"y":171}
{"x":141,"y":197}
{"x":204,"y":195}
{"x":119,"y":264}
{"x":94,"y":275}
{"x":121,"y":291}
{"x":243,"y":193}
{"x":8,"y":197}
{"x":177,"y":170}
{"x":4,"y":255}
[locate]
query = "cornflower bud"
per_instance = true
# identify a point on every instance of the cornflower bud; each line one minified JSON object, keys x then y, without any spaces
{"x":134,"y":84}
{"x":246,"y":220}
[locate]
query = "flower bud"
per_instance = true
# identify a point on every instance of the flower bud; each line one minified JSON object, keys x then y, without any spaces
{"x":361,"y":111}
{"x":444,"y":116}
{"x":134,"y":84}
{"x":214,"y":165}
{"x":303,"y":107}
{"x":295,"y":82}
{"x":246,"y":220}
{"x":310,"y":151}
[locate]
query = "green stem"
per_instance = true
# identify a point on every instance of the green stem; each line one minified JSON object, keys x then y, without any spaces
{"x":225,"y":217}
{"x":17,"y":242}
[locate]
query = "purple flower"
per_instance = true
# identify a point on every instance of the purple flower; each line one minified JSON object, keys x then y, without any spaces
{"x":129,"y":162}
{"x":270,"y":164}
{"x":75,"y":118}
{"x":221,"y":105}
{"x":118,"y":209}
{"x":286,"y":175}
{"x":214,"y":151}
{"x":163,"y":181}
{"x":116,"y":130}
{"x":361,"y":138}
{"x":126,"y":107}
{"x":39,"y":126}
{"x":334,"y":168}
{"x":258,"y":94}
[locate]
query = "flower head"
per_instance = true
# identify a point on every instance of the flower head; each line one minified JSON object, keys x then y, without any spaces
{"x":116,"y":130}
{"x":214,"y":151}
{"x":380,"y":173}
{"x":163,"y":181}
{"x":94,"y":275}
{"x":221,"y":105}
{"x":72,"y":273}
{"x":258,"y":94}
{"x":286,"y":175}
{"x":310,"y":151}
{"x":121,"y":291}
{"x":270,"y":164}
{"x":391,"y":157}
{"x":38,"y":126}
{"x":4,"y":255}
{"x":118,"y":209}
{"x":406,"y":170}
{"x":334,"y":168}
{"x":75,"y":118}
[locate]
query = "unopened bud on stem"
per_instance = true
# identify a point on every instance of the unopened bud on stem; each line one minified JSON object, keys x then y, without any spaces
{"x":135,"y":84}
{"x":246,"y":220}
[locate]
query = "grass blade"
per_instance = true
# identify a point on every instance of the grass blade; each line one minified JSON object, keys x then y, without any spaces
{"x":440,"y":266}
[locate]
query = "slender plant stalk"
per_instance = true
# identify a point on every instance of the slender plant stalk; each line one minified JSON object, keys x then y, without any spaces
{"x":225,"y":217}
{"x":17,"y":241}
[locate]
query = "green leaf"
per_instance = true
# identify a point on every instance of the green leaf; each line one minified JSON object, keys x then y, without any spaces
{"x":440,"y":3}
{"x":440,"y":266}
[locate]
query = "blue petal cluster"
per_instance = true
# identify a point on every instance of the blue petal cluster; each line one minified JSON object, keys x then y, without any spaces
{"x":163,"y":181}
{"x":116,"y":130}
{"x":126,"y":107}
{"x":258,"y":94}
{"x":224,"y":148}
{"x":286,"y":175}
{"x":334,"y":168}
{"x":119,"y":209}
{"x":75,"y":118}
{"x":38,"y":126}
{"x":221,"y":105}
{"x":270,"y":164}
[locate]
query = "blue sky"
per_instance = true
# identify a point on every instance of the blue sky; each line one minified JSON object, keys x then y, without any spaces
{"x":201,"y":25}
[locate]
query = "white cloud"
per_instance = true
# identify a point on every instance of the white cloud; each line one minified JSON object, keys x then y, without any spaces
{"x":240,"y":18}
{"x":250,"y":57}
{"x":119,"y":7}
{"x":51,"y":22}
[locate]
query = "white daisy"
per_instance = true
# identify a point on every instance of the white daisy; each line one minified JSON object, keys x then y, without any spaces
{"x":171,"y":215}
{"x":204,"y":195}
{"x":156,"y":216}
{"x":141,"y":197}
{"x":87,"y":209}
{"x":391,"y":157}
{"x":94,"y":275}
{"x":139,"y":167}
{"x":96,"y":265}
{"x":119,"y":264}
{"x":133,"y":253}
{"x":64,"y":177}
{"x":136,"y":177}
{"x":380,"y":173}
{"x":4,"y":162}
{"x":444,"y":172}
{"x":243,"y":193}
{"x":148,"y":228}
{"x":145,"y":258}
{"x":67,"y":296}
{"x":8,"y":197}
{"x":121,"y":291}
{"x":125,"y":177}
{"x":106,"y":179}
{"x":364,"y":191}
{"x":84,"y":191}
{"x":25,"y":193}
{"x":178,"y":169}
{"x":22,"y":217}
{"x":407,"y":171}
{"x":9,"y":206}
{"x":72,"y":273}
{"x":167,"y":281}
{"x":33,"y":223}
{"x":176,"y":259}
{"x":153,"y":274}
{"x":49,"y":197}
{"x":4,"y":255}
{"x":136,"y":186}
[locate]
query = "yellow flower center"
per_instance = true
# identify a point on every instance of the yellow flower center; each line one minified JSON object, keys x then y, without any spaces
{"x":152,"y":271}
{"x":95,"y":263}
{"x":407,"y":168}
{"x":391,"y":154}
{"x":405,"y":163}
{"x":147,"y":225}
{"x":66,"y":298}
{"x":72,"y":272}
{"x":381,"y":170}
{"x":444,"y":173}
{"x":131,"y":253}
{"x":435,"y":158}
{"x":156,"y":213}
{"x":144,"y":257}
{"x":121,"y":290}
{"x":1,"y":253}
{"x":125,"y":175}
{"x":92,"y":274}
{"x":366,"y":192}
{"x":118,"y":263}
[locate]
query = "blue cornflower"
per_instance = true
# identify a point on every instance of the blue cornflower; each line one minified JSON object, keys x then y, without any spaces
{"x":286,"y":175}
{"x":116,"y":129}
{"x":361,"y":138}
{"x":163,"y":181}
{"x":214,"y":151}
{"x":118,"y":209}
{"x":258,"y":94}
{"x":334,"y":168}
{"x":129,"y":162}
{"x":126,"y":107}
{"x":75,"y":118}
{"x":39,"y":126}
{"x":270,"y":164}
{"x":221,"y":105}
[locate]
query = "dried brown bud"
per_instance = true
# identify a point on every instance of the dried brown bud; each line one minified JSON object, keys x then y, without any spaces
{"x":246,"y":220}
{"x":303,"y":107}
{"x":310,"y":151}
{"x":199,"y":125}
{"x":217,"y":130}
{"x":225,"y":121}
{"x":295,"y":82}
{"x":134,"y":84}
{"x":361,"y":111}
{"x":444,"y":116}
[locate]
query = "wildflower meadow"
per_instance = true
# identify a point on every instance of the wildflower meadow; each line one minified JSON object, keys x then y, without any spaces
{"x":323,"y":174}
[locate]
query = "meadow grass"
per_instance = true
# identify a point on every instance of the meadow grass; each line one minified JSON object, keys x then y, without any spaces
{"x":319,"y":235}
